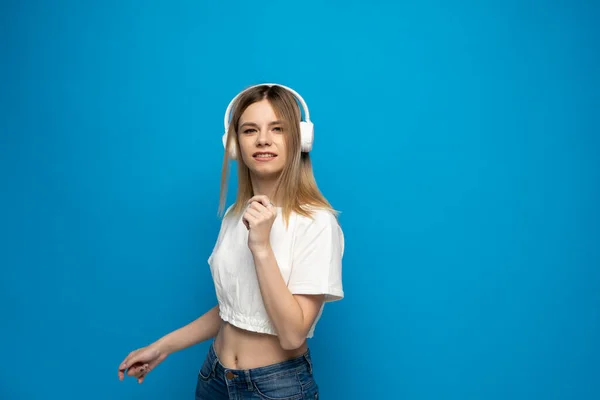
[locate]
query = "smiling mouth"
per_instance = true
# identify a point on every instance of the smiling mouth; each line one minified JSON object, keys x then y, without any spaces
{"x":264,"y":156}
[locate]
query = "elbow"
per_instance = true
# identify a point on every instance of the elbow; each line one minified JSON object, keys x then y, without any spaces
{"x":291,"y":342}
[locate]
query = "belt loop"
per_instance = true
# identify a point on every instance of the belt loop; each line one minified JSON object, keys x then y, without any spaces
{"x":248,"y":380}
{"x":309,"y":362}
{"x":215,"y":361}
{"x":214,"y":367}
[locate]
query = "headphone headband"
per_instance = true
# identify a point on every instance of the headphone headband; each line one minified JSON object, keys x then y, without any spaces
{"x":296,"y":95}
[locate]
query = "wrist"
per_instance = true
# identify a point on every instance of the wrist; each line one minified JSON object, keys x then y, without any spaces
{"x":162,"y":346}
{"x":261,"y":251}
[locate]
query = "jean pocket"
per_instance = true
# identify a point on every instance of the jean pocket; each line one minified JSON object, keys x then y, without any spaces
{"x":206,"y":371}
{"x":279,"y":387}
{"x":308,"y":383}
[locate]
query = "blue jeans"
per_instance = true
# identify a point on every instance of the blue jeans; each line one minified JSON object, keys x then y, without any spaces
{"x":287,"y":380}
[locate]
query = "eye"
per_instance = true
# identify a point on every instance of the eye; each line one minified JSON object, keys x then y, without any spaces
{"x":249,"y":130}
{"x":278,"y":129}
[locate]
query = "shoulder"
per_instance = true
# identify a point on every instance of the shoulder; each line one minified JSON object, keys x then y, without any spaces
{"x":318,"y":217}
{"x":229,"y":213}
{"x":320,"y":222}
{"x":229,"y":217}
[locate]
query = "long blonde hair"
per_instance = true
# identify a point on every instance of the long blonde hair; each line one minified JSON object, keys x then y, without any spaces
{"x":296,"y":186}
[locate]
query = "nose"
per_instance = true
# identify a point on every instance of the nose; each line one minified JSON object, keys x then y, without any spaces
{"x":264,"y":137}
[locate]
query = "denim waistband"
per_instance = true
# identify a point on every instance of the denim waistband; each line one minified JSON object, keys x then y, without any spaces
{"x":243,"y":376}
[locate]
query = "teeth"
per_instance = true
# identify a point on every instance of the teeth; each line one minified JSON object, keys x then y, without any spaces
{"x":265,"y":155}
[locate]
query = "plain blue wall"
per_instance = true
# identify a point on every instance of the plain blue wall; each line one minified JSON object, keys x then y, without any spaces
{"x":459,"y":139}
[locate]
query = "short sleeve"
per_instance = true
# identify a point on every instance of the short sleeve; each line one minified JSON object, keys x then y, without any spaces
{"x":317,"y":257}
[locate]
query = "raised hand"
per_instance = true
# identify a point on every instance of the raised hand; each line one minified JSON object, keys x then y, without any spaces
{"x":258,"y":218}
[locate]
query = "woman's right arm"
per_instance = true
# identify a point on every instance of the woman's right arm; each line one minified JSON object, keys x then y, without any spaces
{"x":203,"y":328}
{"x":141,"y":361}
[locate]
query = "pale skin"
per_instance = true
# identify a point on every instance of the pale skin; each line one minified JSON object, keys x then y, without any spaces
{"x":291,"y":315}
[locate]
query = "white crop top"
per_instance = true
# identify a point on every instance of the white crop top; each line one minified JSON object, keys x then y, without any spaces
{"x":309,"y":254}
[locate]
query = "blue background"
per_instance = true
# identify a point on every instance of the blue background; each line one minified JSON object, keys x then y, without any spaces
{"x":459,"y":139}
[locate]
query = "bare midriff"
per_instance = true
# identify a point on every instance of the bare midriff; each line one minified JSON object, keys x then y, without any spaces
{"x":241,"y":349}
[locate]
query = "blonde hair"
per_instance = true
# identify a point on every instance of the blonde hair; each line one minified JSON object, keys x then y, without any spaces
{"x":296,"y":187}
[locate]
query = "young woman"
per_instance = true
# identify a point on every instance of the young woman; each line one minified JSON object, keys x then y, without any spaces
{"x":276,"y":261}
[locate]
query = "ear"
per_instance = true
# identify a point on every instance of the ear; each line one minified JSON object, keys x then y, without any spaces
{"x":231,"y":148}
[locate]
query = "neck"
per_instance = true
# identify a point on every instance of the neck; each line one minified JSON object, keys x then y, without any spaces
{"x":266,"y":187}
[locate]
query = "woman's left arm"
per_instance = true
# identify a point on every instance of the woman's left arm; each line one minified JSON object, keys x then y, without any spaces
{"x":291,"y":315}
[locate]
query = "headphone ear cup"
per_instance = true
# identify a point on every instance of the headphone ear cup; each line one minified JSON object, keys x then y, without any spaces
{"x":231,"y":150}
{"x":306,"y":136}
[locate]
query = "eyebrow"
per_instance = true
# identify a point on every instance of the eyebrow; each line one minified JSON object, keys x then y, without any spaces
{"x":278,"y":122}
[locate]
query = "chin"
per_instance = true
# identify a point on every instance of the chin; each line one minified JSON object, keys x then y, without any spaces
{"x":266,"y":172}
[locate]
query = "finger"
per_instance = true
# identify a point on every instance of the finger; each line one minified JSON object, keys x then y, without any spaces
{"x":262,"y":199}
{"x":122,"y":369}
{"x":129,"y":367}
{"x":123,"y":365}
{"x":254,"y":213}
{"x":143,"y":376}
{"x":129,"y":360}
{"x":139,"y":371}
{"x":250,"y":219}
{"x":149,"y":367}
{"x":258,"y":197}
{"x":143,"y":371}
{"x":245,"y":219}
{"x":258,"y":207}
{"x":135,"y":369}
{"x":132,"y":370}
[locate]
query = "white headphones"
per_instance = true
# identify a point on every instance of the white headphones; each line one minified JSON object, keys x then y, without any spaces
{"x":306,"y":127}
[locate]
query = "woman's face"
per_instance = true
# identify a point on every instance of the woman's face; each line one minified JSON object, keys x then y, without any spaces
{"x":262,"y":141}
